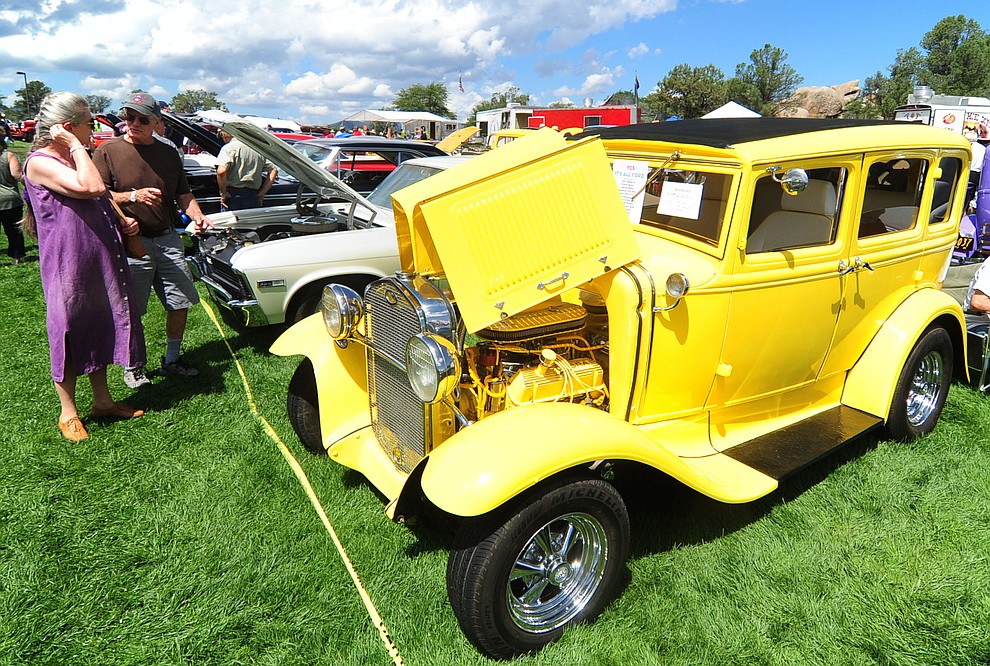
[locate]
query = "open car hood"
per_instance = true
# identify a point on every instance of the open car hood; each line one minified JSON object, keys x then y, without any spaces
{"x":294,"y":163}
{"x":199,"y":135}
{"x":516,"y":226}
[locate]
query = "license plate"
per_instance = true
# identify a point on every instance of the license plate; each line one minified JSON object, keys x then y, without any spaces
{"x":964,"y":243}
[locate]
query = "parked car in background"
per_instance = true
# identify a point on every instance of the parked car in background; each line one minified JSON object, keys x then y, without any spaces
{"x":721,"y":301}
{"x":200,"y":145}
{"x":22,"y":131}
{"x":105,"y":127}
{"x":364,"y":161}
{"x":269,"y":266}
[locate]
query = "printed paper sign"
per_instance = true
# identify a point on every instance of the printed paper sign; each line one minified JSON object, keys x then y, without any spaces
{"x":681,"y":200}
{"x":631,"y":177}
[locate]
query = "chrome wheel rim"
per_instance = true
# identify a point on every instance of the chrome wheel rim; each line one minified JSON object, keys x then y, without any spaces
{"x":557,"y":573}
{"x":926,"y":389}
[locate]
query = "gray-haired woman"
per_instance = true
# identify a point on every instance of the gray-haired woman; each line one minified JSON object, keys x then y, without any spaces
{"x":87,"y":285}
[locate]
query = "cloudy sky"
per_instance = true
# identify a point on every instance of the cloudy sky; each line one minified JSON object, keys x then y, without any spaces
{"x":317,"y":61}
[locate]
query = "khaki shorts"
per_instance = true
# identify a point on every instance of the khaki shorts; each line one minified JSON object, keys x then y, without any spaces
{"x":166,"y":270}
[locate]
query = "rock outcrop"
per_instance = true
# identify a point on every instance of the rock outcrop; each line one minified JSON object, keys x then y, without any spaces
{"x":819,"y":101}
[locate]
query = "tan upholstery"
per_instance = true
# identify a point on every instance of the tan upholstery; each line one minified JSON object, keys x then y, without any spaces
{"x":805,"y":220}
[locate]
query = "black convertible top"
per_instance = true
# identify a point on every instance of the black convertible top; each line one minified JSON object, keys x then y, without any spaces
{"x":725,"y":132}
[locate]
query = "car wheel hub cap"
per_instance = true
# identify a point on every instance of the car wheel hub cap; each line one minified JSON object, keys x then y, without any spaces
{"x":926,"y":389}
{"x":557,"y":573}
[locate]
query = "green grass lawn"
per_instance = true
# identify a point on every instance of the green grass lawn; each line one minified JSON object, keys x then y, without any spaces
{"x":184,"y":537}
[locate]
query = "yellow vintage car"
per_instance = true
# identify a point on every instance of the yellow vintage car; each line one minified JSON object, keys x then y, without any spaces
{"x":725,"y":301}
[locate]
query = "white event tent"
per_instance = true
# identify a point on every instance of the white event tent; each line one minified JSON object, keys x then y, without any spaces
{"x":732,"y":110}
{"x":410,"y":120}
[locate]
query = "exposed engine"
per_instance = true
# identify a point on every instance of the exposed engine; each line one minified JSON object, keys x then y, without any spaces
{"x":555,"y":352}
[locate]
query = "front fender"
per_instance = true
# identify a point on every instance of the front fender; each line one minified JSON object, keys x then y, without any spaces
{"x":489,"y":463}
{"x":872,"y":380}
{"x":341,"y":377}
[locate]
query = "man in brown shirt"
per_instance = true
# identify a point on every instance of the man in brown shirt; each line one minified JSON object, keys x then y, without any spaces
{"x":146,"y":178}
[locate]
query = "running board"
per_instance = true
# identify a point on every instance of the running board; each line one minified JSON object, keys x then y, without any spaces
{"x":786,"y":451}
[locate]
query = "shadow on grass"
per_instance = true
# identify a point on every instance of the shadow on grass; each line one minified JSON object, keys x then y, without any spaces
{"x":212,"y":359}
{"x":665,"y":514}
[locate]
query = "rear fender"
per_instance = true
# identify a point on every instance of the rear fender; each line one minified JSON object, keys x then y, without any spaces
{"x":487,"y":464}
{"x":341,"y":376}
{"x":871,"y":382}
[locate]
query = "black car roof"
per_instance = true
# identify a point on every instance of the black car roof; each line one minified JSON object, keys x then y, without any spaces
{"x":725,"y":132}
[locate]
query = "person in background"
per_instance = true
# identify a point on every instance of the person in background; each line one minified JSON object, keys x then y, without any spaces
{"x":91,"y":316}
{"x":975,"y":166}
{"x":11,"y":205}
{"x":241,"y":175}
{"x":145,"y":177}
{"x":160,"y":131}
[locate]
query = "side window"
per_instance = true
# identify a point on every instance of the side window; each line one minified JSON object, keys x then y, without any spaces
{"x":892,"y":197}
{"x":945,"y":186}
{"x":781,"y":221}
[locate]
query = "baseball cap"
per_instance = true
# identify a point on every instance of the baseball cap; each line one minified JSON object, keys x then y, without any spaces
{"x":143,"y":103}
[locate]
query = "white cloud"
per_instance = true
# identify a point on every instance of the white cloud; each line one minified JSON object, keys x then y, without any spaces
{"x":300,"y":56}
{"x":638,"y":51}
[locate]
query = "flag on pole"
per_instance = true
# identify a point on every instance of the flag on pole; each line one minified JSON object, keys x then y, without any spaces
{"x":636,"y":94}
{"x":460,"y":84}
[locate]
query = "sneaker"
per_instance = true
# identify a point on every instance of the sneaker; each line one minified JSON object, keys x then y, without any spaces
{"x":179,"y":368}
{"x":136,"y":378}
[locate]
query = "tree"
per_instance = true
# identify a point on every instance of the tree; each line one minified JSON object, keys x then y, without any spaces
{"x":430,"y":97}
{"x":194,"y":100}
{"x":29,"y":99}
{"x":689,"y":92}
{"x":98,"y":103}
{"x":954,"y":59}
{"x":881,"y":94}
{"x":498,"y":100}
{"x":621,"y":97}
{"x":764,"y":82}
{"x":957,"y":60}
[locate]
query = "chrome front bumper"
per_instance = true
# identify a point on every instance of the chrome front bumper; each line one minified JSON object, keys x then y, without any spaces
{"x":246,"y":312}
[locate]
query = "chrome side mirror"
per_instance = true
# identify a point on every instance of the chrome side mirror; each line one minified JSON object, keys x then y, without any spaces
{"x":792,"y":182}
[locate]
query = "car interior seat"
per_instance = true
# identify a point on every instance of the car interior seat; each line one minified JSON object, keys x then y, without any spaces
{"x":805,"y":219}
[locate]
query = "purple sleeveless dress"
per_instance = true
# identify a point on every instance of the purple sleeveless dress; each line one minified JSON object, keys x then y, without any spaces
{"x":87,"y":284}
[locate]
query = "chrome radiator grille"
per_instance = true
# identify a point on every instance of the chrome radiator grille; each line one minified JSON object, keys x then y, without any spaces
{"x":398,"y":417}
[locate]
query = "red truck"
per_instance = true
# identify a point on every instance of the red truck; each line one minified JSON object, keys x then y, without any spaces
{"x":22,"y":131}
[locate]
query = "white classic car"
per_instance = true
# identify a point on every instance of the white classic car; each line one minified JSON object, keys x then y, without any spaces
{"x":269,"y":265}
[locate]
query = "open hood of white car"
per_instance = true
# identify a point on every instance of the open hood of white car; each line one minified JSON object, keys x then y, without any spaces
{"x":294,"y":163}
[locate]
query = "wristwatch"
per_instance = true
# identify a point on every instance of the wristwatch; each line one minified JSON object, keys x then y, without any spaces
{"x":133,"y":195}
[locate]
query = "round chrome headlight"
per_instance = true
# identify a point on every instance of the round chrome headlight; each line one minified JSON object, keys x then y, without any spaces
{"x":342,"y":310}
{"x":432,"y":366}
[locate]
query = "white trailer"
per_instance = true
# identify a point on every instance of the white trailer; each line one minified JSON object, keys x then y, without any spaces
{"x":953,"y":112}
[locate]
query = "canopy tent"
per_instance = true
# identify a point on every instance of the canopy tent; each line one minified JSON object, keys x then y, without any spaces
{"x":438,"y":126}
{"x":217,"y":117}
{"x":403,"y":117}
{"x":731,"y":110}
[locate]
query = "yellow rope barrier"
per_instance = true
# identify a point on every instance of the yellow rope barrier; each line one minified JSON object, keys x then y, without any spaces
{"x":376,"y":619}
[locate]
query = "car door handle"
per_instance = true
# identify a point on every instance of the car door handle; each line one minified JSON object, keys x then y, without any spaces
{"x":857,"y":265}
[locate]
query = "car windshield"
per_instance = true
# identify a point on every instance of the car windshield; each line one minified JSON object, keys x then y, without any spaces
{"x":691,"y":203}
{"x":314,"y":151}
{"x":404,"y":176}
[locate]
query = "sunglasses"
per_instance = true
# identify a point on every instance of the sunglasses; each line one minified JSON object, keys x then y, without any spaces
{"x":144,"y":120}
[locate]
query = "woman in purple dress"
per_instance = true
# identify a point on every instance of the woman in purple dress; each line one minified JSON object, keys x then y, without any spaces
{"x":84,"y":273}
